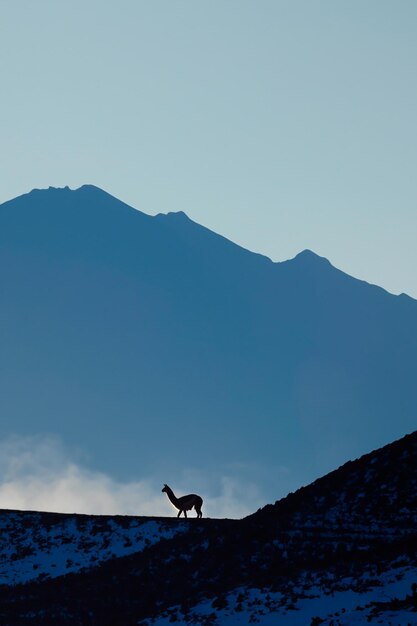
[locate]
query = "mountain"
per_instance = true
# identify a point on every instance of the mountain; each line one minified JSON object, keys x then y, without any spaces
{"x":156,"y":346}
{"x":340,"y":551}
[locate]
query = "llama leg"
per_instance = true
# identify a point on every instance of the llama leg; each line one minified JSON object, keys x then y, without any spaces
{"x":185,"y":513}
{"x":179,"y":513}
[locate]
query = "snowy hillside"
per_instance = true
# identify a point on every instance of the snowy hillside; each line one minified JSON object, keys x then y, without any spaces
{"x":35,"y":546}
{"x":341,"y":551}
{"x":380,"y":598}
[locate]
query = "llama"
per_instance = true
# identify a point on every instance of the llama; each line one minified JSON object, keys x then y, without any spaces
{"x":185,"y":503}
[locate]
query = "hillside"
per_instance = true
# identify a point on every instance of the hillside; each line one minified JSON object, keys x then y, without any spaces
{"x":341,"y":551}
{"x":136,"y":338}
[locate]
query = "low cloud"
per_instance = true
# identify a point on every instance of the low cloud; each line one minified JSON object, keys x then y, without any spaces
{"x":41,"y":474}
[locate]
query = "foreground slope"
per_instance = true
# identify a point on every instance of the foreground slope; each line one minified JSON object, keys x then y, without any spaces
{"x":340,"y":551}
{"x":159,"y":334}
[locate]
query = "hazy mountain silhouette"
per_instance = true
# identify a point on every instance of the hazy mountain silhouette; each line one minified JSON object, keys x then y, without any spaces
{"x":156,"y":344}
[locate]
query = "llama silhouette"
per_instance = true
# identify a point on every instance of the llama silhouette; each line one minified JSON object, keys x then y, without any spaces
{"x":185,"y":503}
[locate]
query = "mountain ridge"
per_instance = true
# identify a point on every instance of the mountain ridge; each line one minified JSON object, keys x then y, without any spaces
{"x":88,"y":189}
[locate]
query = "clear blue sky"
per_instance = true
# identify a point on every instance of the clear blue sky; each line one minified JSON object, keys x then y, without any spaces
{"x":282,"y":125}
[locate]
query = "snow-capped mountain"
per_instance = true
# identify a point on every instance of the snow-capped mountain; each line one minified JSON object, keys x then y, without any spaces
{"x":341,"y":551}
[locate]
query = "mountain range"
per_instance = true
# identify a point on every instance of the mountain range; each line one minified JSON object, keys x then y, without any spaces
{"x":156,"y":345}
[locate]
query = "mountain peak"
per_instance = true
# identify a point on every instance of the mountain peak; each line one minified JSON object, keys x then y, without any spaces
{"x":60,"y":192}
{"x":50,"y":189}
{"x":178,"y":215}
{"x":308,"y":256}
{"x":89,"y":188}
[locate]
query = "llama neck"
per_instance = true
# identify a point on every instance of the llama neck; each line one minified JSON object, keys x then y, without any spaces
{"x":171,"y":496}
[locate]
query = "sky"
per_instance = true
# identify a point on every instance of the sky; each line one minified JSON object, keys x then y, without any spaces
{"x":281,"y":124}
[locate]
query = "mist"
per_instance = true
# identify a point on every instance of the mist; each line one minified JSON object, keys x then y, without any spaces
{"x":40,"y":473}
